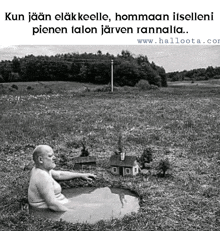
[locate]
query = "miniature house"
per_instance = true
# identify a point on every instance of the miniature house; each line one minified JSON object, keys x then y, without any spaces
{"x":124,"y":165}
{"x":84,"y":162}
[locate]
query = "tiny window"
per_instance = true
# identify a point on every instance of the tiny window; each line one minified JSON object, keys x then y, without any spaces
{"x":127,"y":170}
{"x":114,"y":169}
{"x":135,"y":169}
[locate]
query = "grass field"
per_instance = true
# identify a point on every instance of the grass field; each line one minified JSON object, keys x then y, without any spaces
{"x":180,"y":123}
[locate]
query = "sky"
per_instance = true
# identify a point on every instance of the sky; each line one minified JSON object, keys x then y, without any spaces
{"x":170,"y":57}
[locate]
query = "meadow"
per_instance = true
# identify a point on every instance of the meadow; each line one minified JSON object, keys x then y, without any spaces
{"x":180,"y":122}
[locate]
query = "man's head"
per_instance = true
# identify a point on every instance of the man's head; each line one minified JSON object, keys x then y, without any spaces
{"x":43,"y":157}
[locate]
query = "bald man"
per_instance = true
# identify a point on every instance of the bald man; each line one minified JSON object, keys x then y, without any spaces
{"x":44,"y":191}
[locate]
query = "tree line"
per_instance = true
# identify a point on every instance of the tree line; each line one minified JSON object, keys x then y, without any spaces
{"x":195,"y":74}
{"x":86,"y":67}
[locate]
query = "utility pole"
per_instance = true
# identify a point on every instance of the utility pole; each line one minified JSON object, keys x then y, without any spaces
{"x":112,"y":84}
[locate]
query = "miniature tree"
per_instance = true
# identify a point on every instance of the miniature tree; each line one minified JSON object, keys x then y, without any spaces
{"x":163,"y":166}
{"x":120,"y":147}
{"x":146,"y":157}
{"x":84,"y":151}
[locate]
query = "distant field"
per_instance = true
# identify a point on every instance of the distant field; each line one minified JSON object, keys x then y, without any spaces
{"x":63,"y":86}
{"x":179,"y":123}
{"x":207,"y":83}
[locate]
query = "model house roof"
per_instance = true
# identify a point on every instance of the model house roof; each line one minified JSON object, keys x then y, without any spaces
{"x":129,"y":161}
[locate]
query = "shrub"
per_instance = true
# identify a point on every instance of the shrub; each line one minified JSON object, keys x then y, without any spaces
{"x":146,"y":157}
{"x":143,"y":85}
{"x":14,"y":86}
{"x":162,"y":167}
{"x":84,"y":150}
{"x":30,"y":88}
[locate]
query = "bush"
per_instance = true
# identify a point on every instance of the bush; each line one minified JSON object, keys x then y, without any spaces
{"x":84,"y":150}
{"x":30,"y":88}
{"x":14,"y":86}
{"x":143,"y":85}
{"x":120,"y":145}
{"x":146,"y":157}
{"x":162,"y":167}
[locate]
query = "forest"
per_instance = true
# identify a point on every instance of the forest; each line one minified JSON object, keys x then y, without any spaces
{"x":195,"y":74}
{"x":128,"y":69}
{"x":87,"y":67}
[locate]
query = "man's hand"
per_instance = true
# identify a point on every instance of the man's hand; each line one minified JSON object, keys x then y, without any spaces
{"x":89,"y":177}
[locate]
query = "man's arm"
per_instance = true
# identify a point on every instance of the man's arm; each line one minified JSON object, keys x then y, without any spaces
{"x":45,"y":187}
{"x":67,"y":175}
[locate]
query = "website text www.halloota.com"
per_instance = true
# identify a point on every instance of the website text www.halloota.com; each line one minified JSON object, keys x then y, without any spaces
{"x":177,"y":40}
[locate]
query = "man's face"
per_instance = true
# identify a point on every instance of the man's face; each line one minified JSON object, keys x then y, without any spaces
{"x":48,"y":159}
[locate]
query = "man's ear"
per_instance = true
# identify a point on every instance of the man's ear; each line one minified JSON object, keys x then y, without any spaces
{"x":40,"y":159}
